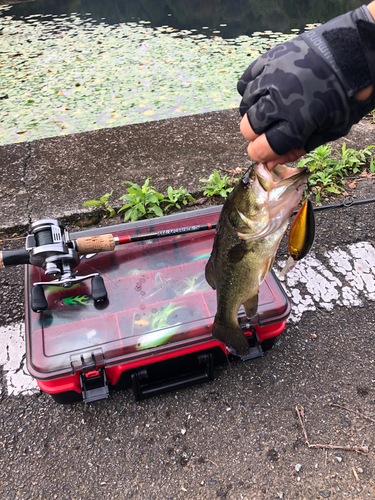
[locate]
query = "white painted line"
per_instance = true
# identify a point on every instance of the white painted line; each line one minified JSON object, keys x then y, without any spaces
{"x":12,"y":359}
{"x":349,"y":278}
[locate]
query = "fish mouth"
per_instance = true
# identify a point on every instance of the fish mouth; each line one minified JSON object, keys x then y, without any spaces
{"x":281,"y":177}
{"x":279,"y":191}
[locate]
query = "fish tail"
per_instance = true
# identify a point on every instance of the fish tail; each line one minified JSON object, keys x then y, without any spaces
{"x":231,"y":336}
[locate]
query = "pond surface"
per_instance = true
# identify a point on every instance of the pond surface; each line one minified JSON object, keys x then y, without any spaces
{"x":75,"y":66}
{"x":239,"y":18}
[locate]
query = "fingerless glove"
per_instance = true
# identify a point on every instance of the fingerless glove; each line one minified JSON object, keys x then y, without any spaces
{"x":300,"y":93}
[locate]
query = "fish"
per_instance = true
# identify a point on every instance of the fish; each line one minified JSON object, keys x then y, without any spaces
{"x":252,"y":222}
{"x":301,"y":236}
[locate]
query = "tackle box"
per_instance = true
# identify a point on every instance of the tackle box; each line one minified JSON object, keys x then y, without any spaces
{"x":153,"y":333}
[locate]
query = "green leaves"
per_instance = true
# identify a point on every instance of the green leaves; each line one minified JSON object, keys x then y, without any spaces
{"x":145,"y":202}
{"x":141,"y":201}
{"x":217,"y":185}
{"x":177,"y":197}
{"x":351,"y":159}
{"x":327,"y":170}
{"x":103,"y":204}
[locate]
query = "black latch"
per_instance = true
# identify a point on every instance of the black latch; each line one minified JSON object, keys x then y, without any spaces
{"x":94,"y":385}
{"x":256,"y":350}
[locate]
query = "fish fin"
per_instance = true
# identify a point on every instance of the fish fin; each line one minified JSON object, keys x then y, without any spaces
{"x":209,"y":273}
{"x":233,"y":217}
{"x":237,"y":253}
{"x":232,"y":337}
{"x":251,"y":306}
{"x":267,"y":269}
{"x":290,"y":263}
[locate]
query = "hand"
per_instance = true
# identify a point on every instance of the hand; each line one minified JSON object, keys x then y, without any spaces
{"x":294,"y":100}
{"x":260,"y":150}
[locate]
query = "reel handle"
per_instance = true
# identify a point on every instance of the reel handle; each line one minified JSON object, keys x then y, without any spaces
{"x":14,"y":258}
{"x":98,"y":289}
{"x":38,"y":299}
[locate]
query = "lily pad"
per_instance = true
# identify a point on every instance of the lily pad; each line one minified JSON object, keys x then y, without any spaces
{"x":71,"y":74}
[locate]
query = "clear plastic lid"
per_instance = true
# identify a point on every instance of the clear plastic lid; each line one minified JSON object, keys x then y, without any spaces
{"x":158,"y":299}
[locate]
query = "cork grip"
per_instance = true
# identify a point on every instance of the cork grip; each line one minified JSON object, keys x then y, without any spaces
{"x":95,"y":244}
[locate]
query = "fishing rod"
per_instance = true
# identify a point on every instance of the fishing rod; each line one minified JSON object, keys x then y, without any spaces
{"x":40,"y":237}
{"x":49,"y":247}
{"x":348,"y":202}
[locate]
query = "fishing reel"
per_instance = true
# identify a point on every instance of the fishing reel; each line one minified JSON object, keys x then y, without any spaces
{"x":49,"y":247}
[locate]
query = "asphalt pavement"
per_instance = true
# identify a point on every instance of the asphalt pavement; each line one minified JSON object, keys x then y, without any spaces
{"x":51,"y":178}
{"x":239,"y":436}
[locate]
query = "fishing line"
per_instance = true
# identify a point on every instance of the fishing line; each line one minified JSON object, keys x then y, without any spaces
{"x":250,"y":168}
{"x":242,"y":145}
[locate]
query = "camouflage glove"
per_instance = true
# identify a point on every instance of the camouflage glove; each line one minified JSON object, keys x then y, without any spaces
{"x":300,"y":93}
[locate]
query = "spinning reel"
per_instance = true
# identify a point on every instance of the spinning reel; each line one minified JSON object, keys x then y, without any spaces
{"x":49,"y":247}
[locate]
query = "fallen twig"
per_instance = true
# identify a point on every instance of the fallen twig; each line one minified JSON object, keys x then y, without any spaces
{"x":363,"y":449}
{"x":200,"y":201}
{"x":353,"y":411}
{"x":355,"y":475}
{"x":211,"y":462}
{"x":232,"y":172}
{"x":301,"y":416}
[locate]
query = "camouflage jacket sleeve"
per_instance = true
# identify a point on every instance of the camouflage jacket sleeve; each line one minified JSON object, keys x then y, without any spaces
{"x":300,"y":93}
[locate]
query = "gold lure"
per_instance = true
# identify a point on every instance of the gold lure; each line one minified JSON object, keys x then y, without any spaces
{"x":301,"y":236}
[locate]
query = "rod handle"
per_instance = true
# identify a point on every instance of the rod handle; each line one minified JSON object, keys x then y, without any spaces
{"x":95,"y":244}
{"x":14,"y":258}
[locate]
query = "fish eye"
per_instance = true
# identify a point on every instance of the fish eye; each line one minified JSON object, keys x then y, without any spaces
{"x":245,"y":182}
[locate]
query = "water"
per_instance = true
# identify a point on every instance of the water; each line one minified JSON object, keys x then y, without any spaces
{"x":77,"y":66}
{"x":239,"y":18}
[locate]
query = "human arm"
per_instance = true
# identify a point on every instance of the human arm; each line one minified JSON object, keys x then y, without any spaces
{"x":294,"y":101}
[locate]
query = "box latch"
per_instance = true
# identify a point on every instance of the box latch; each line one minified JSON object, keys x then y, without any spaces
{"x":93,"y":381}
{"x":94,"y":385}
{"x":256,"y":350}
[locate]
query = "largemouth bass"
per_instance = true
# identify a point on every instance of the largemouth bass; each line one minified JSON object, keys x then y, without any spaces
{"x":252,"y":222}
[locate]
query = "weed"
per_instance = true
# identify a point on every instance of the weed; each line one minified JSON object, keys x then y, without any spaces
{"x":328,"y":172}
{"x":176,"y":197}
{"x":103,"y":204}
{"x":217,"y":185}
{"x":351,"y":159}
{"x":141,"y":201}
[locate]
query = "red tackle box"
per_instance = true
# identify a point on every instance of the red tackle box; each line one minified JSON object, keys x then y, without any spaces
{"x":154,"y":332}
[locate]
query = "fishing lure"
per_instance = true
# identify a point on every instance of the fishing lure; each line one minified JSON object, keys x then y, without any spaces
{"x":301,"y":236}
